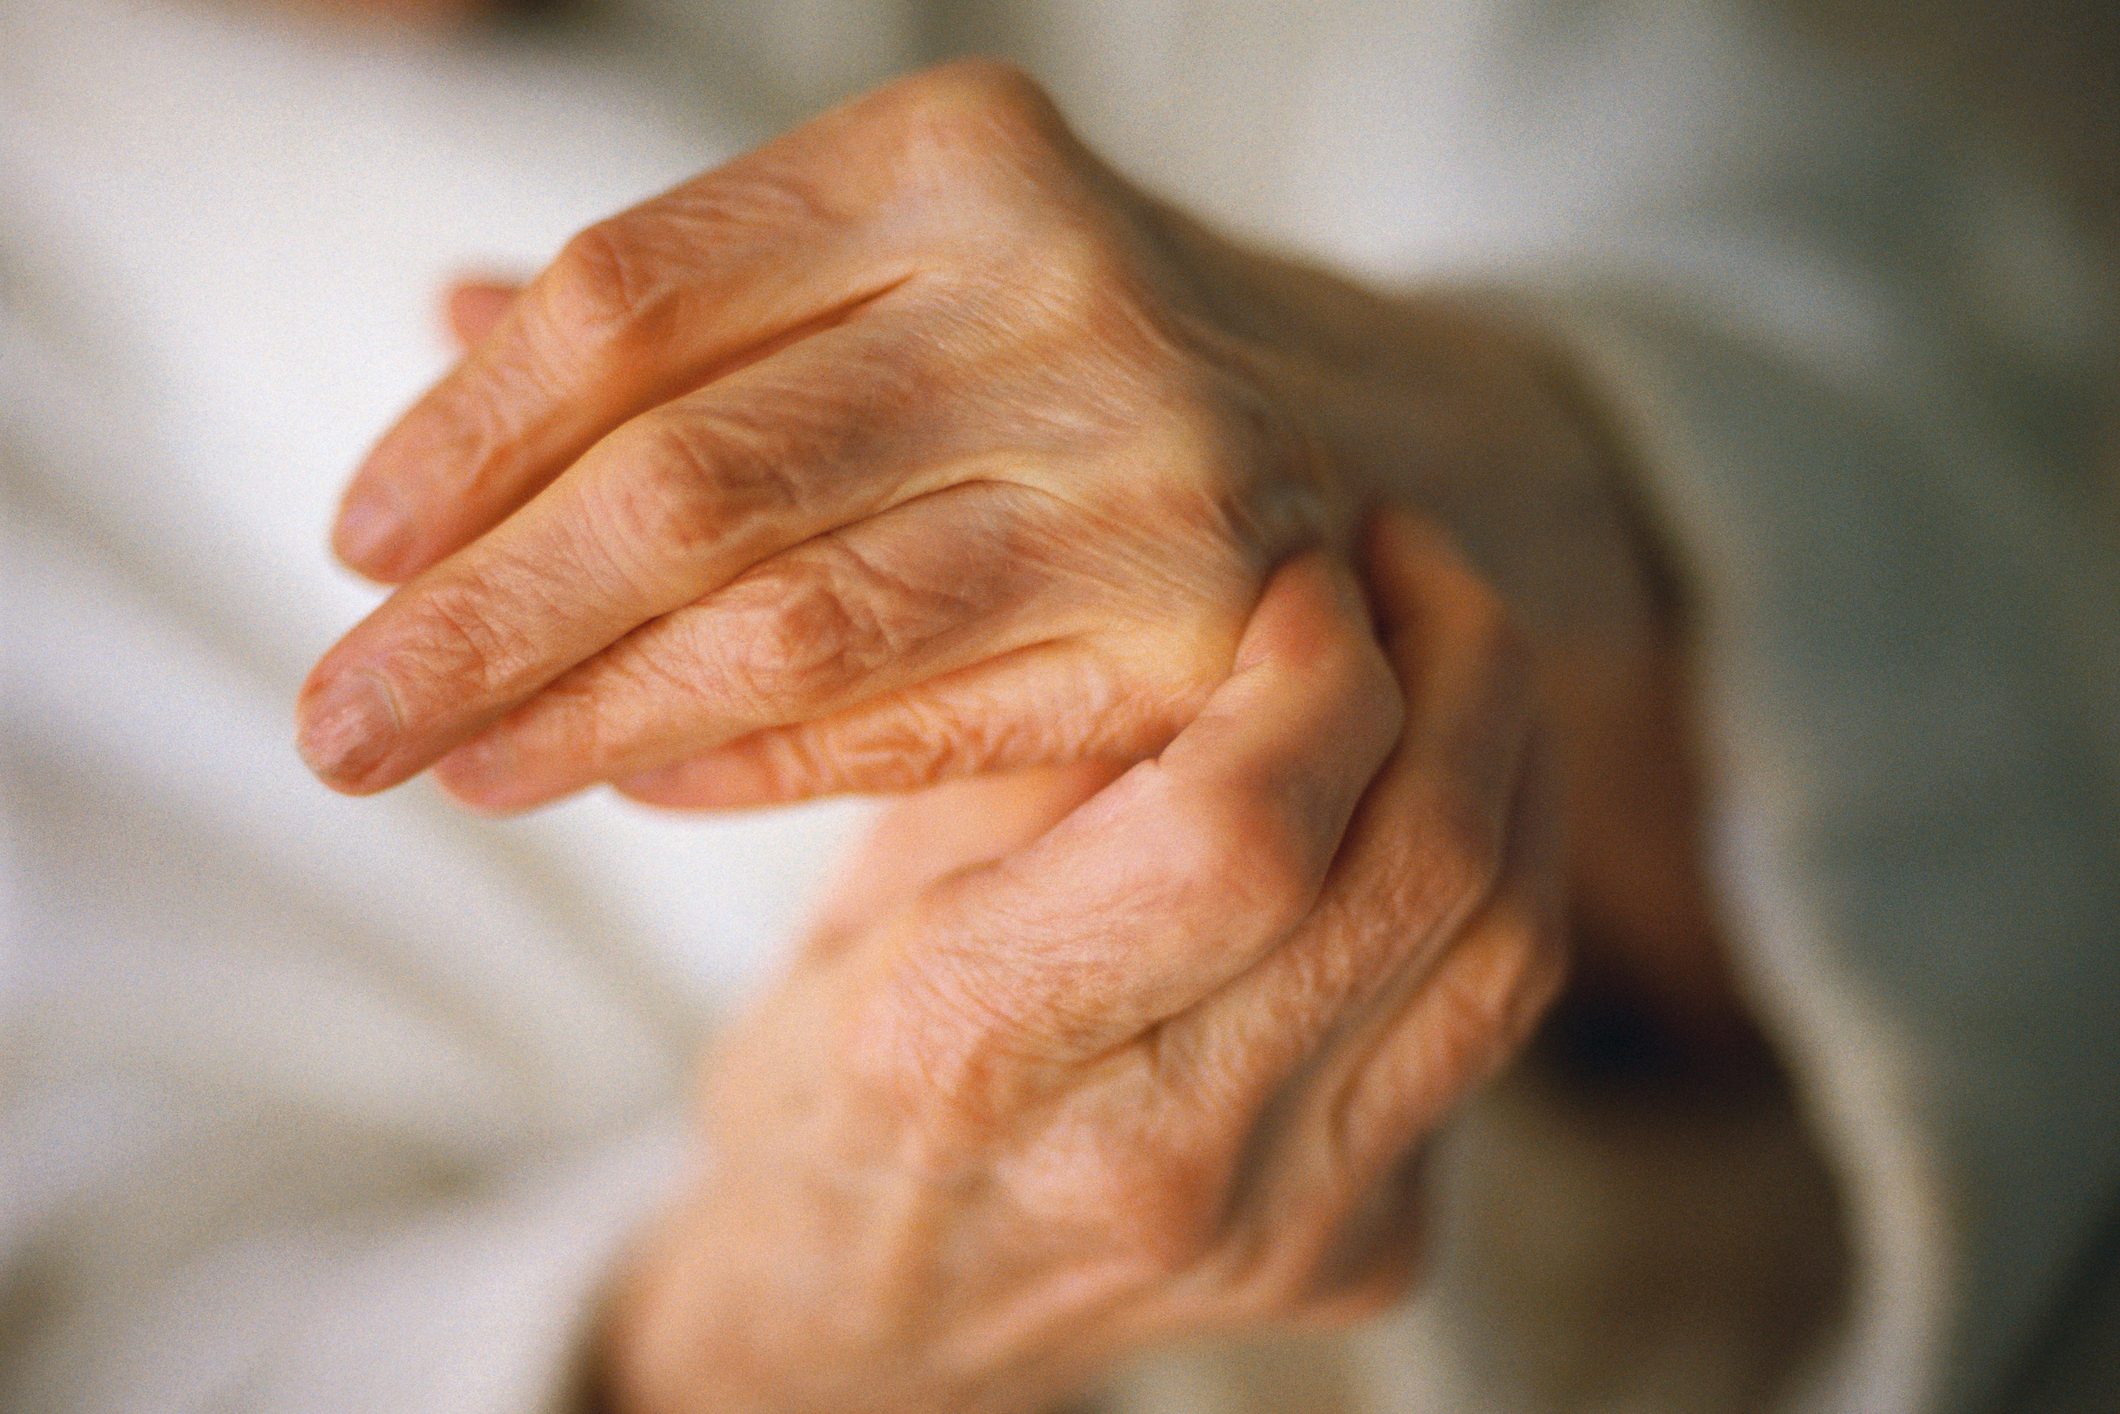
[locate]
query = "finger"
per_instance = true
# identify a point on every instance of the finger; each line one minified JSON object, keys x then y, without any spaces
{"x":1373,"y":1260}
{"x":924,"y":589}
{"x":1425,"y":847}
{"x":1044,"y":704}
{"x":1189,"y":866}
{"x":668,"y":508}
{"x":636,"y":310}
{"x":1457,"y":1019}
{"x":1442,"y":1020}
{"x":472,"y":307}
{"x":1443,"y":839}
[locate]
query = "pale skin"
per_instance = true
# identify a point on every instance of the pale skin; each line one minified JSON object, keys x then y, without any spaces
{"x":917,"y":445}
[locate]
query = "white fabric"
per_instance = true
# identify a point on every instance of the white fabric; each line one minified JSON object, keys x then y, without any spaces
{"x":316,"y":1104}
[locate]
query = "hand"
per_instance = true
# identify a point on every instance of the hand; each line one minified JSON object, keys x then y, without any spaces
{"x":1155,"y":1070}
{"x":913,"y":444}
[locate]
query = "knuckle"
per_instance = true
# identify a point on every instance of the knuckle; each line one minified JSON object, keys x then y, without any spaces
{"x":788,"y":636}
{"x":981,"y":126}
{"x":1446,"y":862}
{"x":791,"y":764}
{"x":460,"y":642}
{"x":1247,"y":857}
{"x":688,"y":482}
{"x":1457,"y":850}
{"x":993,"y":95}
{"x":1164,"y":1205}
{"x":924,"y":742}
{"x":606,"y":283}
{"x":1138,"y":706}
{"x":1235,"y":458}
{"x":1475,"y":1026}
{"x":1079,"y":276}
{"x":650,"y":516}
{"x":992,"y":82}
{"x":806,"y":626}
{"x":576,"y":720}
{"x":1078,"y":284}
{"x":1489,"y":997}
{"x":1326,"y":969}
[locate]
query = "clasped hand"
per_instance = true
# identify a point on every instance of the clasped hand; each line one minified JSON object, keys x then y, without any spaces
{"x":1070,"y":1072}
{"x":917,"y":445}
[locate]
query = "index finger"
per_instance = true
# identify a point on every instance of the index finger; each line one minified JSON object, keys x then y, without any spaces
{"x":1428,"y":844}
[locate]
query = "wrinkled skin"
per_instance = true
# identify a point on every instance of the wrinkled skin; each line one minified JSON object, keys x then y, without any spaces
{"x":1134,"y":1064}
{"x":914,"y":444}
{"x":918,"y":445}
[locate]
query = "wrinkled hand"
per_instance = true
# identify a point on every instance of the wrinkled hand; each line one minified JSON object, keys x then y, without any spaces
{"x":891,"y":450}
{"x":913,"y":444}
{"x":1137,"y":1068}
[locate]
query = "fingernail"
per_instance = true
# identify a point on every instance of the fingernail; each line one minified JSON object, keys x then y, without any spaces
{"x":347,"y":729}
{"x":371,"y":533}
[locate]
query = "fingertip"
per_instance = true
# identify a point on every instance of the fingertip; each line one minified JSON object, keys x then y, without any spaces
{"x":688,"y":785}
{"x":1310,"y":605}
{"x":484,"y":777}
{"x":471,"y":306}
{"x":1315,"y":625}
{"x":652,"y":788}
{"x":1409,"y":562}
{"x":484,"y":808}
{"x":346,"y":725}
{"x":372,"y":535}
